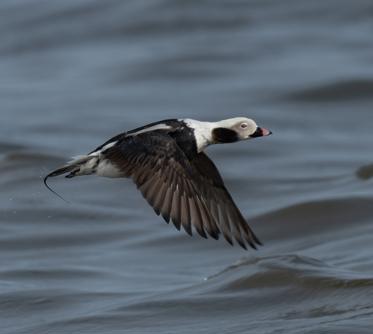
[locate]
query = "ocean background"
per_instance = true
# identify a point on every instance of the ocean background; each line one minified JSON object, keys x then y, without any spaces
{"x":76,"y":72}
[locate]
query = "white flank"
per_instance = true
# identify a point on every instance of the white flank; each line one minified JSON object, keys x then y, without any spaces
{"x":107,"y":169}
{"x":87,"y":167}
{"x":161,"y":126}
{"x":202,"y":132}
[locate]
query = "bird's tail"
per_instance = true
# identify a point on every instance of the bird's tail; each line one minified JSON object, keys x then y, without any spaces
{"x":81,"y":165}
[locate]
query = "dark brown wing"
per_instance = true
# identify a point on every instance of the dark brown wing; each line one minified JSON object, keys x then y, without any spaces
{"x":188,"y":192}
{"x":221,"y":205}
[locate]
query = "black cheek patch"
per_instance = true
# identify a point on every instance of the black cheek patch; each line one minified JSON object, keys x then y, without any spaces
{"x":223,"y":135}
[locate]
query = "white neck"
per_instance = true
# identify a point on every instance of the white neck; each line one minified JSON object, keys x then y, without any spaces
{"x":202,"y":132}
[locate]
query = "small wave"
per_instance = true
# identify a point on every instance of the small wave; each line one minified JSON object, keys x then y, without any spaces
{"x":287,"y":270}
{"x":29,"y":157}
{"x":52,"y":274}
{"x":53,"y":242}
{"x":318,"y":217}
{"x":9,"y":147}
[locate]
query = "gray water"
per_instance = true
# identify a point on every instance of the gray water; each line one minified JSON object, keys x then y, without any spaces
{"x":74,"y":73}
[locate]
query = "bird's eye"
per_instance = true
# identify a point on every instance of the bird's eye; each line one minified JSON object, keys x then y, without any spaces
{"x":243,"y":125}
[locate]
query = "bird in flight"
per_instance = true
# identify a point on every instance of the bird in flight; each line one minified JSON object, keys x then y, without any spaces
{"x":166,"y":161}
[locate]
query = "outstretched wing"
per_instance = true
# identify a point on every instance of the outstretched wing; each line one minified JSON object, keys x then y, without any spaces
{"x":221,"y":205}
{"x":187,"y":192}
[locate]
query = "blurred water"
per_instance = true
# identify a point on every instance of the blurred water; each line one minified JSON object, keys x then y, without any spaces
{"x":74,"y":73}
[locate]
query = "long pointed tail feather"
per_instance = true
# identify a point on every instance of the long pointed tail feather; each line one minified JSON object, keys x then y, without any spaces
{"x":57,"y":172}
{"x":73,"y":168}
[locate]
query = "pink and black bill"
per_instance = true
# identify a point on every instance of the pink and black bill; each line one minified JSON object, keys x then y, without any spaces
{"x":260,"y":132}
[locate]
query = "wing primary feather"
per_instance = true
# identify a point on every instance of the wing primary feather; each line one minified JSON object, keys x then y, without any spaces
{"x":185,"y":220}
{"x":234,"y":223}
{"x":210,"y":226}
{"x":256,"y":239}
{"x":195,"y":214}
{"x":175,"y":208}
{"x":200,"y":224}
{"x":146,"y":187}
{"x":156,"y":184}
{"x":225,"y":225}
{"x":185,"y":209}
{"x":211,"y":223}
{"x":168,"y":199}
{"x":167,"y":202}
{"x":212,"y":208}
{"x":159,"y":198}
{"x":139,"y":176}
{"x":149,"y":191}
{"x":250,"y":237}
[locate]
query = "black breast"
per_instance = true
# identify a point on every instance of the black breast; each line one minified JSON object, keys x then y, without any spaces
{"x":185,"y":139}
{"x":224,"y":135}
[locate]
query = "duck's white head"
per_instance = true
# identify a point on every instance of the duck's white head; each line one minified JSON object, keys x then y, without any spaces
{"x":235,"y":129}
{"x":225,"y":131}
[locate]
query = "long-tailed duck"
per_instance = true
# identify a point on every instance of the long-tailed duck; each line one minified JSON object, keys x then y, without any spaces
{"x":166,"y":161}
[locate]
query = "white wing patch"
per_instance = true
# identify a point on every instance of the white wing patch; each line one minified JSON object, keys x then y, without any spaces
{"x":160,"y":126}
{"x":108,"y":146}
{"x":102,"y":149}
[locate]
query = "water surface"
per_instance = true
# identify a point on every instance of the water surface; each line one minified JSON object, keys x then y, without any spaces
{"x":74,"y":73}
